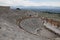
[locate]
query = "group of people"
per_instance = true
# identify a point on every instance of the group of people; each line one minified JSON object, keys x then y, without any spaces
{"x":51,"y":21}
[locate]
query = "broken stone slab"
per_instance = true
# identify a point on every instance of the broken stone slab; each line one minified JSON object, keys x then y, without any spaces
{"x":52,"y":28}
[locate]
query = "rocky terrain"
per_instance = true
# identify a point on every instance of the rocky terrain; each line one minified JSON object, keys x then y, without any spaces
{"x":9,"y":30}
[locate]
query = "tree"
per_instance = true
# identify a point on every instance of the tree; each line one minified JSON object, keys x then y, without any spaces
{"x":58,"y":15}
{"x":18,"y":9}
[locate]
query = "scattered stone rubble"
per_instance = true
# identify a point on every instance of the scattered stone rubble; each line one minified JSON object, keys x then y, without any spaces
{"x":10,"y":31}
